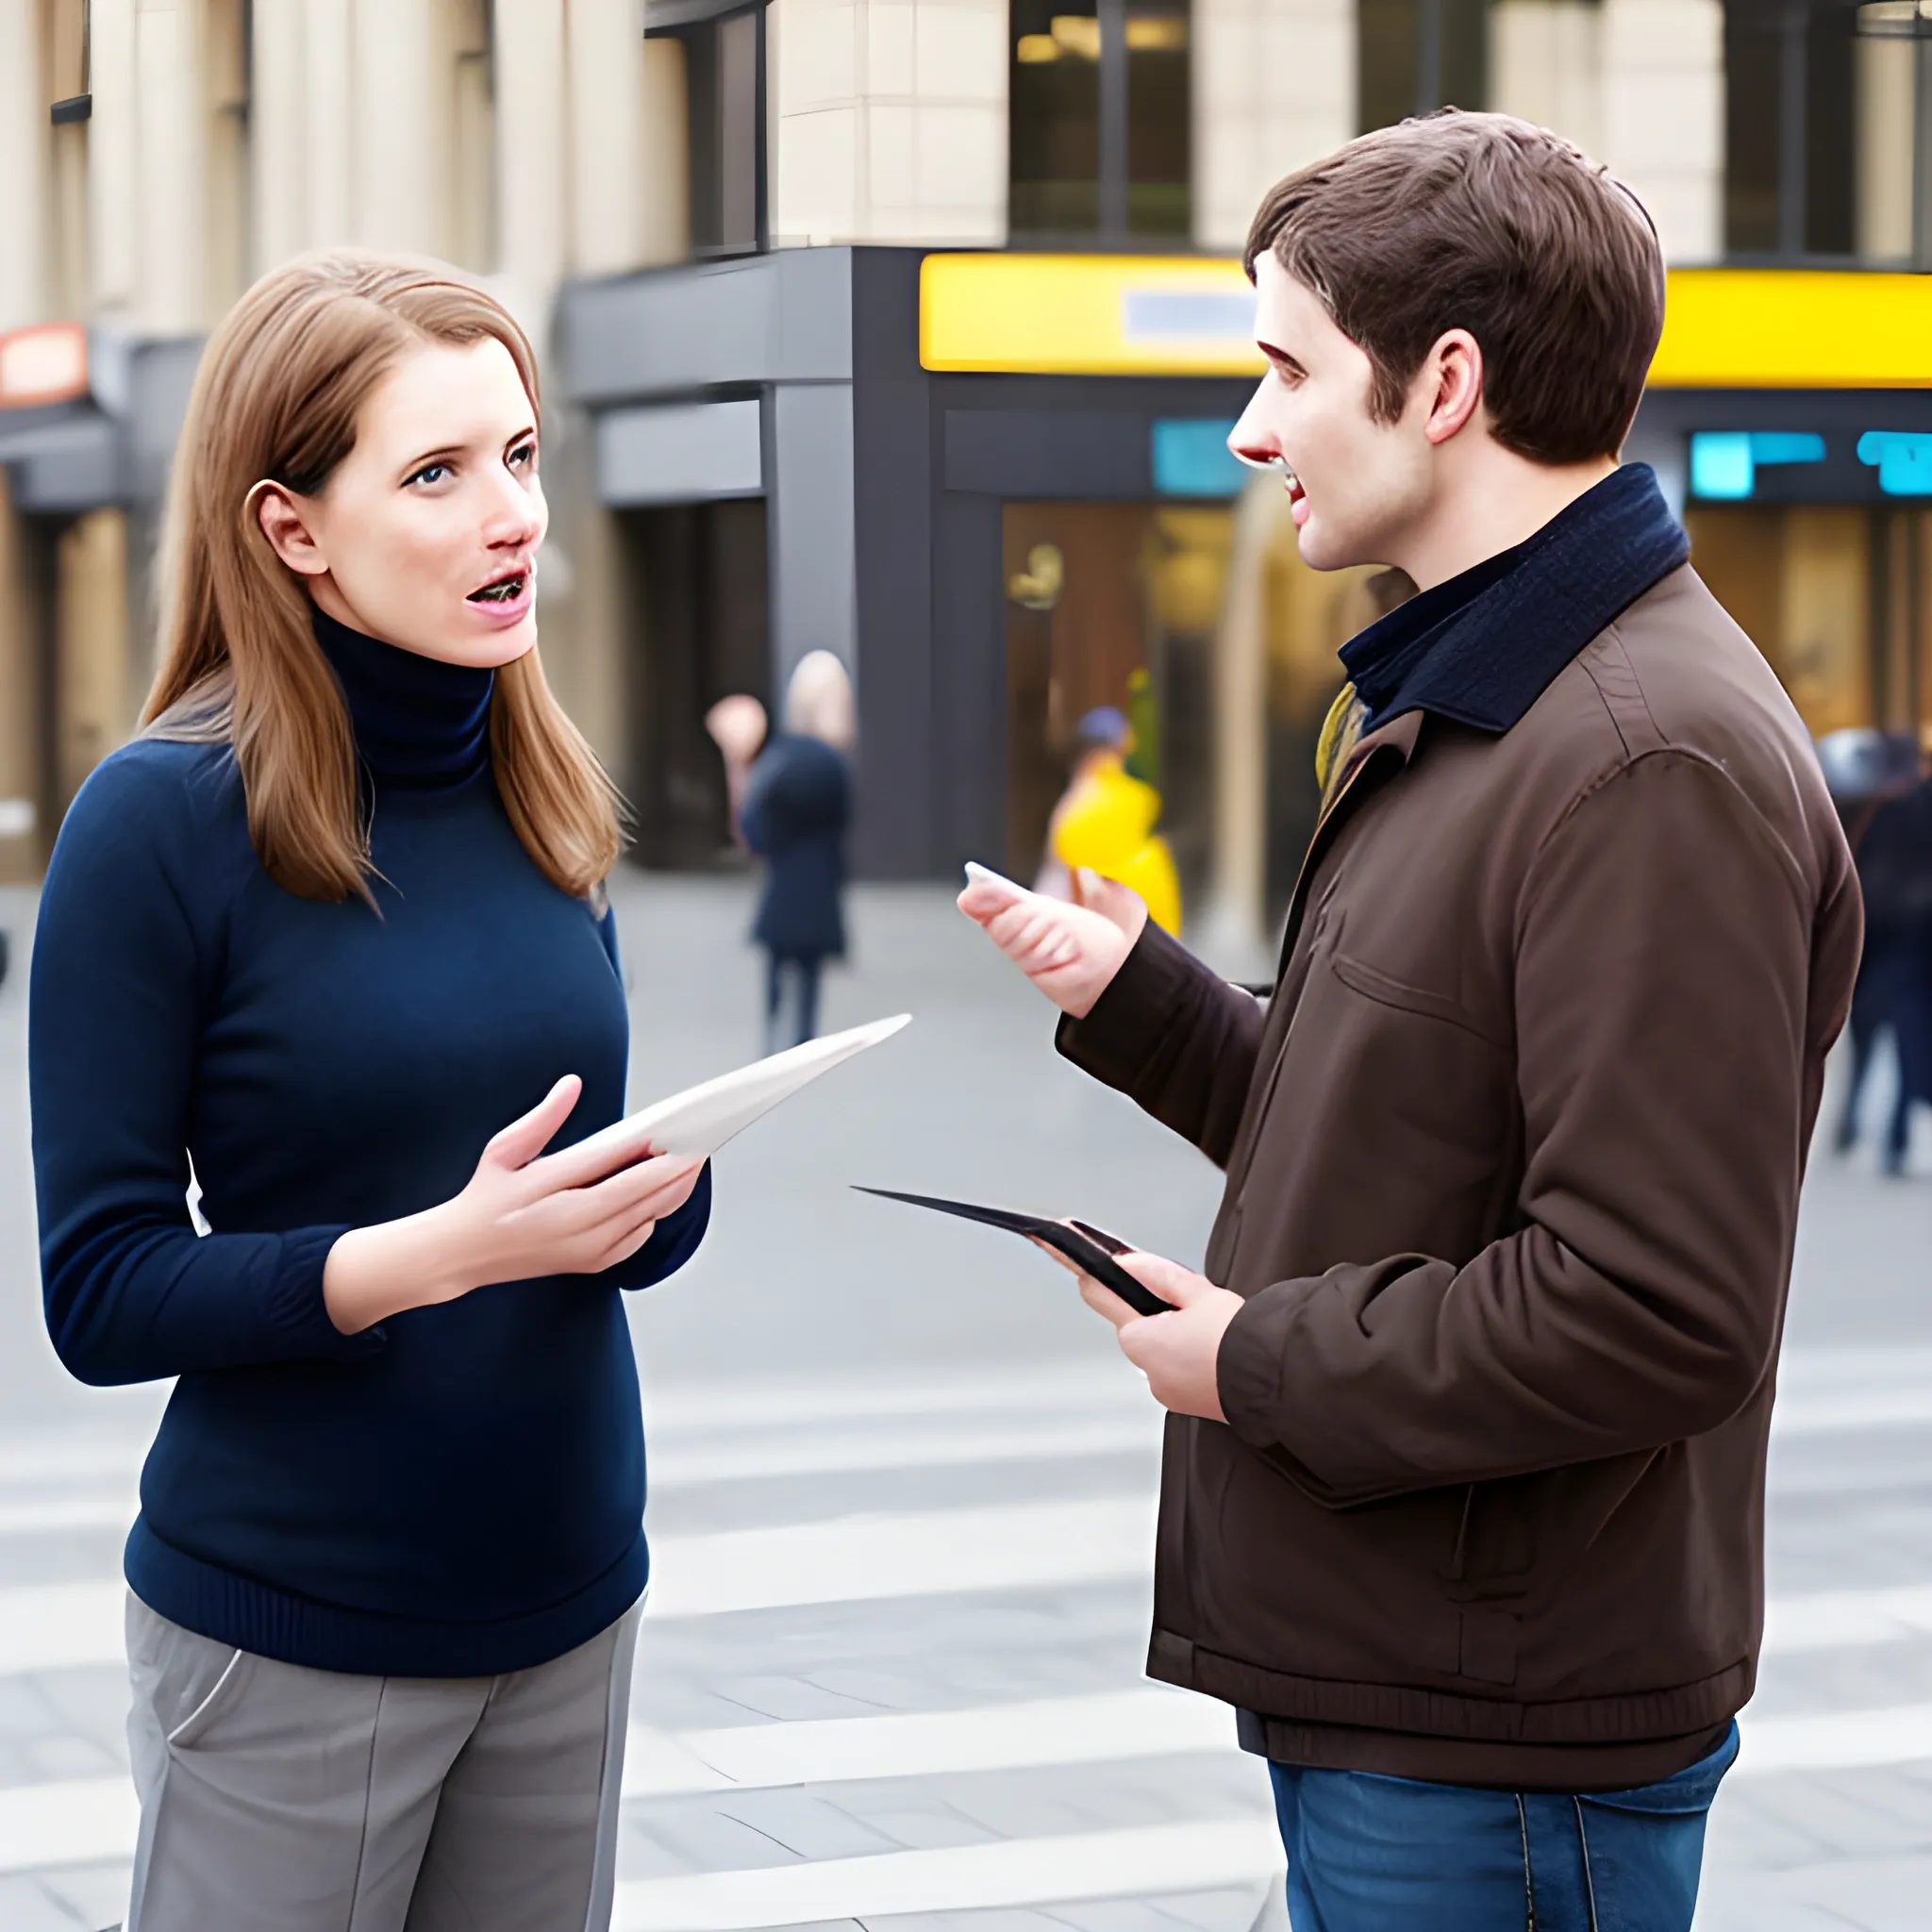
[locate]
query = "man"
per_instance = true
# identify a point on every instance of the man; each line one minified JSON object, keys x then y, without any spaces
{"x":1463,"y":1488}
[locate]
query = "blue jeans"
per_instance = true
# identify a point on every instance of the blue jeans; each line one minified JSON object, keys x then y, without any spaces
{"x":1369,"y":1854}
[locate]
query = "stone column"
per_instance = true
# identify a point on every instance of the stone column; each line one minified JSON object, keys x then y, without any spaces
{"x":401,"y":97}
{"x":329,"y":122}
{"x":1274,"y":87}
{"x":281,"y":154}
{"x":1546,"y":66}
{"x":169,"y":170}
{"x":532,"y":151}
{"x":890,"y":120}
{"x":113,"y":162}
{"x":1663,"y":116}
{"x":24,"y":130}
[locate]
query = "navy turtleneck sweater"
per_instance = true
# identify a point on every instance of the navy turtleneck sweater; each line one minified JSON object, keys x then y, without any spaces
{"x":461,"y":1490}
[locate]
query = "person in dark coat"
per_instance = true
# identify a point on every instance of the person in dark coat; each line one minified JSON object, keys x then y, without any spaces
{"x":1893,"y":850}
{"x":797,"y":802}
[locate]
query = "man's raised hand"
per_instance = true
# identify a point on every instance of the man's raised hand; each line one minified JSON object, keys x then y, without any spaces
{"x":1070,"y":952}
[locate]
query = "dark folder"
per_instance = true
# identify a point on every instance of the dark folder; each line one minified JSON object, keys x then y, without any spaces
{"x":1090,"y":1249}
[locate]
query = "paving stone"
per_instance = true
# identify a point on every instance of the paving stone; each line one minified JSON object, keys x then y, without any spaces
{"x":93,"y":1895}
{"x":27,"y":1905}
{"x":787,"y":1698}
{"x":923,"y":1828}
{"x":810,"y":1826}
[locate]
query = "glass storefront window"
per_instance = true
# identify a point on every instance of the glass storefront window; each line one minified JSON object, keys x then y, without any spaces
{"x":1135,"y":605}
{"x":1838,"y":597}
{"x":1415,"y":55}
{"x":1100,"y":120}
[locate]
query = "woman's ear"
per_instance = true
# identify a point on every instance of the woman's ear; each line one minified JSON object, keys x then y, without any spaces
{"x":281,"y":514}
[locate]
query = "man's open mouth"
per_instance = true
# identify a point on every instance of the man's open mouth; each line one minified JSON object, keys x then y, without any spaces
{"x":505,"y":590}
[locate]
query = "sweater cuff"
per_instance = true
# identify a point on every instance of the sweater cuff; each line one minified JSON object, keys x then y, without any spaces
{"x":1118,"y":1037}
{"x":294,"y":1308}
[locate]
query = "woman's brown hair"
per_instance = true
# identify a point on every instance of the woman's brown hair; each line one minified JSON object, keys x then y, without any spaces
{"x":277,"y":395}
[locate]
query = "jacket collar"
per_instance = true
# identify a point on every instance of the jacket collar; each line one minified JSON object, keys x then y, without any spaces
{"x":1482,"y":647}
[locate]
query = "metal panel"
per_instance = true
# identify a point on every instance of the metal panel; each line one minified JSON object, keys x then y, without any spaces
{"x":678,"y":452}
{"x":1087,"y":453}
{"x":767,"y":318}
{"x":66,"y":466}
{"x":813,"y":560}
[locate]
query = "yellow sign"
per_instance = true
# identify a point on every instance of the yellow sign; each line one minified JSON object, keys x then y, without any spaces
{"x":1194,"y":315}
{"x":1086,"y":314}
{"x":1794,"y":328}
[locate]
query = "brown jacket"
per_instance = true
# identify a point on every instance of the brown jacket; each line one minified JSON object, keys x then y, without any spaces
{"x":1513,"y":1157}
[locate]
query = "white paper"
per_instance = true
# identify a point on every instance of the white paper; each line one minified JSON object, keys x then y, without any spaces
{"x":700,"y":1120}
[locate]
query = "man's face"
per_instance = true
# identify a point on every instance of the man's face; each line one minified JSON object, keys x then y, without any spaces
{"x":1356,"y":483}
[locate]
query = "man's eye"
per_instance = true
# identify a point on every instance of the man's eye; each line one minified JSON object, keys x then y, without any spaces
{"x":430,"y":473}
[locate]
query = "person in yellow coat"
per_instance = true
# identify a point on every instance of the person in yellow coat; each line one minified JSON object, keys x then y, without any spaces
{"x":1106,"y":819}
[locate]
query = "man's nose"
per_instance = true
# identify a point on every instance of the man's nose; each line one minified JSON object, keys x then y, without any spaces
{"x":1252,"y":442}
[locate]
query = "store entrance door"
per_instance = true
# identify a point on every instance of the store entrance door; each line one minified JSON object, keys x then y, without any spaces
{"x":701,"y":631}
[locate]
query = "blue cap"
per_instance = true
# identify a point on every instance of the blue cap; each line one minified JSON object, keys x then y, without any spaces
{"x":1104,"y":725}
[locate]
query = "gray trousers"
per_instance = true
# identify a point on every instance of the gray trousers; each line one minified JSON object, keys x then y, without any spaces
{"x":310,"y":1800}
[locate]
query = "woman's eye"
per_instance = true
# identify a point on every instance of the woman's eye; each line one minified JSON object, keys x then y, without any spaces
{"x":430,"y":473}
{"x":524,"y":455}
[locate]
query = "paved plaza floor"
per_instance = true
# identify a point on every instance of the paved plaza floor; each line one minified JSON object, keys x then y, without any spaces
{"x":901,"y":1497}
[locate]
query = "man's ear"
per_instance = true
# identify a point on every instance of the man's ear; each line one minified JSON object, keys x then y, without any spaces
{"x":1451,"y":384}
{"x":279,"y":512}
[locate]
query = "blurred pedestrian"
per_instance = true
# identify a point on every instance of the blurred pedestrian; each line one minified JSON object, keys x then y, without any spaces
{"x":797,"y":803}
{"x":1469,"y":1406}
{"x":737,"y":727}
{"x":1105,"y":822}
{"x":330,"y":925}
{"x":1891,"y":834}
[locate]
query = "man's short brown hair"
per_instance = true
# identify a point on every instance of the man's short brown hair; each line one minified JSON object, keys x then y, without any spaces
{"x":1485,"y":222}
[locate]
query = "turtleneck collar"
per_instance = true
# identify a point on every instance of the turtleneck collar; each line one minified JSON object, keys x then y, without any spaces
{"x":418,"y":722}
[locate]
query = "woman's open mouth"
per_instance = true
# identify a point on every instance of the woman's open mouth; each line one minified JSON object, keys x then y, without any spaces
{"x":504,"y":590}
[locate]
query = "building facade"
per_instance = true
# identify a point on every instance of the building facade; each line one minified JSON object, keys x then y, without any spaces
{"x":910,"y":329}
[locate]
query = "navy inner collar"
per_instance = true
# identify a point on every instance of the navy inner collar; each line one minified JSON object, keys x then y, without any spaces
{"x":417,"y":722}
{"x":1481,"y":648}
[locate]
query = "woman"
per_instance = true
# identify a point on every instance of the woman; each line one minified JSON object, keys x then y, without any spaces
{"x":329,"y":938}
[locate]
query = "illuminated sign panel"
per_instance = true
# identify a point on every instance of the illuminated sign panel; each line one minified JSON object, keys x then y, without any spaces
{"x":1176,"y":315}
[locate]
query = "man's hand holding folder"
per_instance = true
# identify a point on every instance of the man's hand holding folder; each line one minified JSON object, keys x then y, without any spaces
{"x":1072,"y":953}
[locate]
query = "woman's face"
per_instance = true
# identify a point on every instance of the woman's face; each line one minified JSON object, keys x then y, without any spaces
{"x":425,"y":535}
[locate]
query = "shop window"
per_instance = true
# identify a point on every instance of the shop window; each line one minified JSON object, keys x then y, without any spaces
{"x":1100,"y":127}
{"x":723,"y":47}
{"x":1824,"y":135}
{"x":1793,"y":79}
{"x":1415,"y":55}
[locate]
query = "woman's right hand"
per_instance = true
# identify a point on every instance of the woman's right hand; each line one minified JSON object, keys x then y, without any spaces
{"x":524,"y":1213}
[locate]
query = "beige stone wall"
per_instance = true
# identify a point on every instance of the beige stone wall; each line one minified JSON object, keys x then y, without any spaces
{"x":1274,"y":87}
{"x":889,"y":121}
{"x":25,"y":162}
{"x":1546,"y":66}
{"x":1663,"y":116}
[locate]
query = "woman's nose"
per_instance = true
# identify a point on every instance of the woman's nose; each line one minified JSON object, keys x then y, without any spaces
{"x":516,"y":516}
